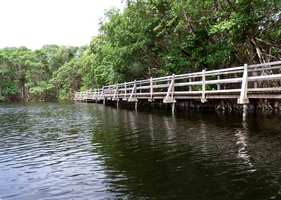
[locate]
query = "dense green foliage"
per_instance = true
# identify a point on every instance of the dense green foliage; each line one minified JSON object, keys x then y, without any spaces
{"x":148,"y":38}
{"x":27,"y":74}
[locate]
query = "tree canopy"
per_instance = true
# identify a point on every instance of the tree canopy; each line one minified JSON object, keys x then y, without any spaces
{"x":148,"y":38}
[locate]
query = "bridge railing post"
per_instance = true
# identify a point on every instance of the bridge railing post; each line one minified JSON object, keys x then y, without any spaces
{"x":132,"y":97}
{"x":243,"y":99}
{"x":103,"y":95}
{"x":169,"y":98}
{"x":94,"y":94}
{"x":125,"y":93}
{"x":203,"y":98}
{"x":97,"y":95}
{"x":151,"y":89}
{"x":218,"y":85}
{"x":115,"y":95}
{"x":173,"y":88}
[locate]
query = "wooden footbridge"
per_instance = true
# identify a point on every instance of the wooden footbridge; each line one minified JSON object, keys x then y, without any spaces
{"x":258,"y":81}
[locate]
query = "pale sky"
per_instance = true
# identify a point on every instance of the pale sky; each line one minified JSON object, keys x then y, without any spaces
{"x":33,"y":23}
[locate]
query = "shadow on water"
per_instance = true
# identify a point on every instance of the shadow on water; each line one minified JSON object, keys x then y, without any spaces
{"x":84,"y":151}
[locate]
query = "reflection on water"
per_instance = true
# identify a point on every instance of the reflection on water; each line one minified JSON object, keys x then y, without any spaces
{"x":82,"y":151}
{"x":242,"y":142}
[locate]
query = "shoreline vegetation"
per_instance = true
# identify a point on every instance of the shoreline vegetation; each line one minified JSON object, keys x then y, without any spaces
{"x":149,"y":38}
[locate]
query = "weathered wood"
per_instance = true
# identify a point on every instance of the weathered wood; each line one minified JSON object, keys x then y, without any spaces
{"x":244,"y":88}
{"x":203,"y":98}
{"x":169,"y":98}
{"x":218,"y":85}
{"x":132,"y":97}
{"x":125,"y":86}
{"x":237,"y":87}
{"x":115,"y":96}
{"x":151,"y":90}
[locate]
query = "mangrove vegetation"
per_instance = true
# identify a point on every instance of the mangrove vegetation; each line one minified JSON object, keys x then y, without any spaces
{"x":147,"y":38}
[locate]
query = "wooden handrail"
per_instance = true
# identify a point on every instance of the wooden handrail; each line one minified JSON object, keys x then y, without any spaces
{"x":204,"y":83}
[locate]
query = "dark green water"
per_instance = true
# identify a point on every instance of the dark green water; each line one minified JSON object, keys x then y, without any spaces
{"x":81,"y":151}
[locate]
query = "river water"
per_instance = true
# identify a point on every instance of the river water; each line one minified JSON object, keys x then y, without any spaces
{"x":88,"y":151}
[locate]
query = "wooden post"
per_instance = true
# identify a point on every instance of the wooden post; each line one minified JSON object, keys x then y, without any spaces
{"x":203,"y":98}
{"x":170,"y":94}
{"x":218,"y":85}
{"x":109,"y":91}
{"x":115,"y":95}
{"x":125,"y":92}
{"x":97,"y":95}
{"x":103,"y":96}
{"x":244,"y":90}
{"x":151,"y":90}
{"x":169,"y":98}
{"x":244,"y":87}
{"x":173,"y":88}
{"x":133,"y":96}
{"x":174,"y":102}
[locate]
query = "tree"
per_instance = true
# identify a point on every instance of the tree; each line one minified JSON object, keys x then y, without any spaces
{"x":148,"y":38}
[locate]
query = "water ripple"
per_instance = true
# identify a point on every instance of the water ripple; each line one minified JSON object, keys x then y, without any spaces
{"x":81,"y":151}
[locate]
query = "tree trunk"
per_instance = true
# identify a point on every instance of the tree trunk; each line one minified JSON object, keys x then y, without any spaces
{"x":22,"y":86}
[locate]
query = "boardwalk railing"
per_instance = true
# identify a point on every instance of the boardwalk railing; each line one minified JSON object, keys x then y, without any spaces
{"x":243,"y":83}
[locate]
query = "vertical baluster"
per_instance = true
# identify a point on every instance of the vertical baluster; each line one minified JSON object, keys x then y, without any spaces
{"x":218,"y":85}
{"x":203,"y":98}
{"x":151,"y":89}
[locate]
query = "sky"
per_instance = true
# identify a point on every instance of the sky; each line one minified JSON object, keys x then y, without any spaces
{"x":34,"y":23}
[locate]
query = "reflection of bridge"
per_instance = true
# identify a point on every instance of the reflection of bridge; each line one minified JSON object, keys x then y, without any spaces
{"x":259,"y":81}
{"x":188,"y":148}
